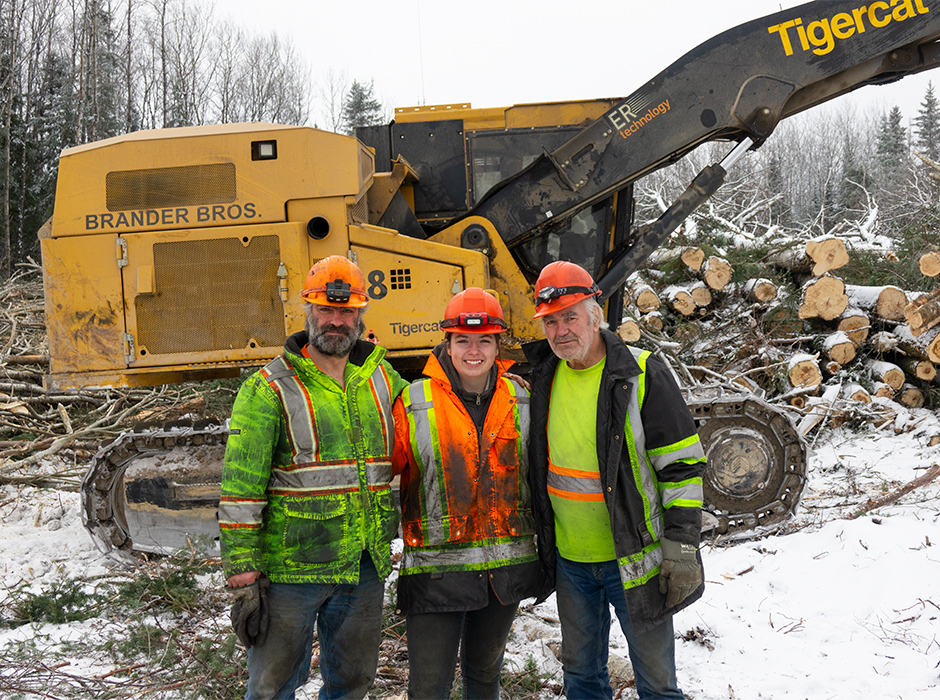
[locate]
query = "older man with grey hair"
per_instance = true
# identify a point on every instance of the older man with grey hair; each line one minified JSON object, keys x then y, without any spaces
{"x":616,"y":472}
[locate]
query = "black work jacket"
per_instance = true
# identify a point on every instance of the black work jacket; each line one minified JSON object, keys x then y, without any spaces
{"x":666,"y":420}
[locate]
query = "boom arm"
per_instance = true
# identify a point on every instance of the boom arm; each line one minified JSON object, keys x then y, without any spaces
{"x":737,"y":85}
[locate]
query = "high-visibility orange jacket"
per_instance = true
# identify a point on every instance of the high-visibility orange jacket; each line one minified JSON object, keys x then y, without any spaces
{"x":466,"y":514}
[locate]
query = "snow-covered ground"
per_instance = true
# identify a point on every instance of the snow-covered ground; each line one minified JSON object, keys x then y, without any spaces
{"x":835,"y":609}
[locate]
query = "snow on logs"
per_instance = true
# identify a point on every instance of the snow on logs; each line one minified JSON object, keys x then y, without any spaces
{"x":885,"y":303}
{"x":924,"y":312}
{"x":886,"y":372}
{"x":629,"y":331}
{"x":645,"y":298}
{"x":692,"y":258}
{"x":814,"y":257}
{"x":925,"y":346}
{"x":760,"y":290}
{"x":679,"y":299}
{"x":717,"y":273}
{"x":827,"y":253}
{"x":925,"y":370}
{"x":839,"y":348}
{"x":853,"y":336}
{"x":854,"y":323}
{"x":803,"y":371}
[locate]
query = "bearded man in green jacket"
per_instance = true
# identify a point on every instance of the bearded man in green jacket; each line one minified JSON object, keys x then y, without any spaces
{"x":307,"y":512}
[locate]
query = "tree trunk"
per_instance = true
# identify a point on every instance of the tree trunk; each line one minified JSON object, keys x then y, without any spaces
{"x":924,"y":370}
{"x":679,"y":300}
{"x":654,"y":319}
{"x":855,"y":324}
{"x":629,"y":331}
{"x":930,"y":263}
{"x":839,"y":348}
{"x":692,"y":258}
{"x":827,"y":253}
{"x":700,"y":294}
{"x":824,"y":298}
{"x":804,"y":371}
{"x":856,"y":392}
{"x":886,"y":303}
{"x":760,"y":290}
{"x":886,"y":372}
{"x":924,"y":312}
{"x":646,"y":299}
{"x":717,"y":273}
{"x":911,"y":396}
{"x":925,"y":346}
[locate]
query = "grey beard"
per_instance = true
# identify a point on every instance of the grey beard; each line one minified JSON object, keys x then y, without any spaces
{"x":333,"y":346}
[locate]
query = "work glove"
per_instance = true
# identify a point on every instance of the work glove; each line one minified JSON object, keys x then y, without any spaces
{"x":680,"y":573}
{"x":250,"y":611}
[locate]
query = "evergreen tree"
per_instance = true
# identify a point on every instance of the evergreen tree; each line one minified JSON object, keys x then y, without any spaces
{"x":854,"y":181}
{"x":99,"y":81}
{"x":927,"y":126}
{"x":891,"y":146}
{"x":361,"y":108}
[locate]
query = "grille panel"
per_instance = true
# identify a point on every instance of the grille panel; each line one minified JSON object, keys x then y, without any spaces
{"x":400,"y":279}
{"x":158,"y":188}
{"x":212,"y":295}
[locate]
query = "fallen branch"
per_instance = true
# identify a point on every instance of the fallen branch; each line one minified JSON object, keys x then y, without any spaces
{"x":871,"y":505}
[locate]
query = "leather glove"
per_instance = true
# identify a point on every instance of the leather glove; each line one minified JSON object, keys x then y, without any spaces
{"x":680,"y":573}
{"x":250,"y":611}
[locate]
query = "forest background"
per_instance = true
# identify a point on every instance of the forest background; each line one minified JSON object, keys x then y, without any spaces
{"x":76,"y":71}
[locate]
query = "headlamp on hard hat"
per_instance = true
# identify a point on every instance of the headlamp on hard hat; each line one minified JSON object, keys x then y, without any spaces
{"x":472,"y":320}
{"x":548,"y":294}
{"x":338,"y":292}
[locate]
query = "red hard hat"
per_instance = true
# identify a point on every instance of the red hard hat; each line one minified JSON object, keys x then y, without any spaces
{"x":562,"y":284}
{"x":473,"y":311}
{"x":335,"y":281}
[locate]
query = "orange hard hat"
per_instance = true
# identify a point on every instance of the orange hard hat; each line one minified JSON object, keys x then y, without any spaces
{"x":562,"y":284}
{"x":335,"y":281}
{"x":473,"y":311}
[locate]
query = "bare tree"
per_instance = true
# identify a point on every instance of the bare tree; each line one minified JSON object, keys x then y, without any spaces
{"x":331,"y":91}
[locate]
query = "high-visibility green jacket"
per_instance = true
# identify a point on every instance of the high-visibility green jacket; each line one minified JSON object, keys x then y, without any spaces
{"x":651,"y":466}
{"x":466,"y":513}
{"x":306,"y":481}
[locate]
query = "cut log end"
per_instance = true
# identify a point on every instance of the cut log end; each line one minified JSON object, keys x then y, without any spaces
{"x":629,"y":331}
{"x":805,"y":374}
{"x":827,"y":254}
{"x":929,"y":263}
{"x":824,"y":298}
{"x":717,"y":273}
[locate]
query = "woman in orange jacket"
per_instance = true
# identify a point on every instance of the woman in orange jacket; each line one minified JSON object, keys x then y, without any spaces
{"x":469,"y":558}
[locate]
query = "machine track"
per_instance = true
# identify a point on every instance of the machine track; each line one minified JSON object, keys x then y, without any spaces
{"x":156,"y":489}
{"x":756,"y":462}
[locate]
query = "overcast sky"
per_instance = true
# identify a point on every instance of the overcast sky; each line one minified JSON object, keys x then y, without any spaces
{"x":495,"y":53}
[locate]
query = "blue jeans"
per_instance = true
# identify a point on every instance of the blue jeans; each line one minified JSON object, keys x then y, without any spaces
{"x":584,"y":593}
{"x":433,"y":639}
{"x":348,"y":621}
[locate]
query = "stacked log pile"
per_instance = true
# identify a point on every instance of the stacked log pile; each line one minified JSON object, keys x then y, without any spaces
{"x":797,"y":331}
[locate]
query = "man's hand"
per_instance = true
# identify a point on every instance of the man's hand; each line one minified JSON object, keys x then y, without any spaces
{"x":246,"y":578}
{"x":250,"y":611}
{"x":680,"y":574}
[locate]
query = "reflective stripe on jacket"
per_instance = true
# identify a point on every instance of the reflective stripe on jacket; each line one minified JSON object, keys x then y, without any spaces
{"x":305,"y":487}
{"x":651,"y":465}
